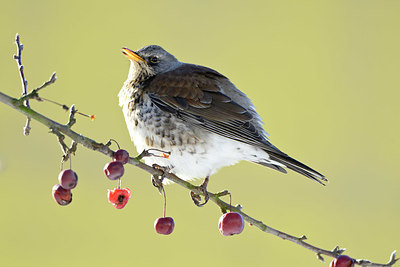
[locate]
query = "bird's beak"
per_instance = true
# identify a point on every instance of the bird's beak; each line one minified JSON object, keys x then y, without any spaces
{"x":131,"y":55}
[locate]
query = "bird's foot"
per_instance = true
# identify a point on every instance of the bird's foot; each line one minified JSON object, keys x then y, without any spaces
{"x":203,"y":189}
{"x":157,"y":181}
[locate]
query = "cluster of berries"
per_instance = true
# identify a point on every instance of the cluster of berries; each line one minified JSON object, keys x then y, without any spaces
{"x":119,"y":196}
{"x":229,"y":224}
{"x":114,"y":170}
{"x":68,"y":180}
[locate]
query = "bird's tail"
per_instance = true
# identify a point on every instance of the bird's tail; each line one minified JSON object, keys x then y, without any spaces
{"x":294,"y":165}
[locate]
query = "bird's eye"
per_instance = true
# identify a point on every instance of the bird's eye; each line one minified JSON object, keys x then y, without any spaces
{"x":154,"y":60}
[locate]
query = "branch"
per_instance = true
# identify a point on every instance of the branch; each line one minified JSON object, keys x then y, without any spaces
{"x":53,"y":125}
{"x":215,"y":197}
{"x":60,"y":130}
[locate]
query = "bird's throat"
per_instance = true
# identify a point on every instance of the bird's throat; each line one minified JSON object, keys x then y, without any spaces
{"x":138,"y":73}
{"x":132,"y":89}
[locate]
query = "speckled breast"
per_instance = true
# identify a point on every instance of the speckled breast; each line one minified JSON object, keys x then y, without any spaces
{"x":150,"y":127}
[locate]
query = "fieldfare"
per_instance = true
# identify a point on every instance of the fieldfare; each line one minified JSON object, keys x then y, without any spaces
{"x":196,"y":114}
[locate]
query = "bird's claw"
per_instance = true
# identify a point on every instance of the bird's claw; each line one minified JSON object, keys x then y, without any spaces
{"x":157,"y":181}
{"x":196,"y":197}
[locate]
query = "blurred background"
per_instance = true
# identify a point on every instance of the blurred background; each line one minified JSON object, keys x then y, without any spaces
{"x":324,"y":76}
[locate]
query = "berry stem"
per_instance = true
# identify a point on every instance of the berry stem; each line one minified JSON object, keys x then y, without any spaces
{"x":230,"y":202}
{"x":115,"y":143}
{"x":165,"y":201}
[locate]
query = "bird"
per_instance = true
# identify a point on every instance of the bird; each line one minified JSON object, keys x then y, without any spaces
{"x":198,"y":116}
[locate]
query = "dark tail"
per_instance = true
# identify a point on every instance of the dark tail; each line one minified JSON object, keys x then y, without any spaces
{"x":294,"y":165}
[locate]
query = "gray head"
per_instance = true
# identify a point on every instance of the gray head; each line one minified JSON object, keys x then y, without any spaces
{"x":152,"y":58}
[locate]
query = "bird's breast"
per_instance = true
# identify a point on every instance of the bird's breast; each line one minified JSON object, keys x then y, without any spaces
{"x":150,"y":127}
{"x":195,"y":152}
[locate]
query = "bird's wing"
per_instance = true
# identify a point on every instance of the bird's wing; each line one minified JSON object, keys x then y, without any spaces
{"x":194,"y":94}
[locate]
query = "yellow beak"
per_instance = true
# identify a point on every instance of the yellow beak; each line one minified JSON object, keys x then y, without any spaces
{"x":131,"y":55}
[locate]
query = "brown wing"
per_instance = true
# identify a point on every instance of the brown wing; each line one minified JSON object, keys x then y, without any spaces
{"x":193,"y":93}
{"x":195,"y":88}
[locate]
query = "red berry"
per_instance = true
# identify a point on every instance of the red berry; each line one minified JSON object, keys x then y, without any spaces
{"x":119,"y":197}
{"x":61,"y":195}
{"x":231,"y":223}
{"x":342,"y":261}
{"x":121,"y":155}
{"x":114,"y":170}
{"x":164,"y":225}
{"x":68,"y":179}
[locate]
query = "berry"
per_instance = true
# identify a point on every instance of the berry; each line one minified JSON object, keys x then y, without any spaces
{"x":231,"y":223}
{"x":61,"y":195}
{"x":121,"y":155}
{"x":114,"y":170}
{"x":342,"y":261}
{"x":68,"y":179}
{"x":119,"y":197}
{"x":164,"y":225}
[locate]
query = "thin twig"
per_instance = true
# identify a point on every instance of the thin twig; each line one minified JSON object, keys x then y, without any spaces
{"x":18,"y":58}
{"x":52,"y":79}
{"x":24,"y":82}
{"x":71,"y":151}
{"x":34,"y":94}
{"x":71,"y":119}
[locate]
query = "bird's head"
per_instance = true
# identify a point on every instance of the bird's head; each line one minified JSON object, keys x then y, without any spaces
{"x":150,"y":60}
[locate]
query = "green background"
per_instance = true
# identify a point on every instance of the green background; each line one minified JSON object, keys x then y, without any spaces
{"x":324,"y":76}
